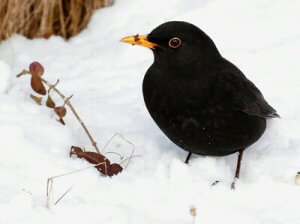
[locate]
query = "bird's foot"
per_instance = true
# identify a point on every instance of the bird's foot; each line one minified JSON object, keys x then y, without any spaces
{"x":233,"y":184}
{"x":215,"y":183}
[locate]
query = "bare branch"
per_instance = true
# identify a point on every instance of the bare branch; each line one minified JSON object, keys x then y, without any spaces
{"x":67,"y":102}
{"x":52,"y":86}
{"x":50,"y":182}
{"x":24,"y":72}
{"x":64,"y":194}
{"x":124,"y":139}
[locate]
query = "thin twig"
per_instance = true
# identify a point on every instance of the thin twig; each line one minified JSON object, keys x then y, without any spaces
{"x":118,"y":154}
{"x":129,"y":158}
{"x":132,"y":152}
{"x":50,"y":182}
{"x":193,"y":213}
{"x":49,"y":186}
{"x":64,"y":194}
{"x":67,"y":101}
{"x":24,"y":72}
{"x":107,"y":143}
{"x":52,"y":86}
{"x":124,"y":139}
{"x":76,"y":171}
{"x":49,"y":190}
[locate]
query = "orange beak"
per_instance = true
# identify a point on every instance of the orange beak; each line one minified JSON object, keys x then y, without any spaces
{"x":139,"y":40}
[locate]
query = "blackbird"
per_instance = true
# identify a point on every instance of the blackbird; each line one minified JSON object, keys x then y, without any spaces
{"x":200,"y":100}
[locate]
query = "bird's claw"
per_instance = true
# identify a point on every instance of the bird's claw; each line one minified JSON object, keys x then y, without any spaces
{"x":233,"y":184}
{"x":215,"y":183}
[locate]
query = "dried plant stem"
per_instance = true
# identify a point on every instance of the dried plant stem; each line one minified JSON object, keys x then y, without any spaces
{"x":64,"y":194}
{"x":50,"y":182}
{"x":67,"y":101}
{"x":43,"y":18}
{"x":124,"y":139}
{"x":23,"y":72}
{"x":76,"y":171}
{"x":193,"y":213}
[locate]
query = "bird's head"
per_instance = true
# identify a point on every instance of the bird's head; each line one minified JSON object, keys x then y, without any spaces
{"x":177,"y":43}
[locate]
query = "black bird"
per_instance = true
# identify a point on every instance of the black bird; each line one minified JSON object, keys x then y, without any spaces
{"x":201,"y":101}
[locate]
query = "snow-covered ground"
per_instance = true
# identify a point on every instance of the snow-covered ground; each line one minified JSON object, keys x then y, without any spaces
{"x":262,"y":37}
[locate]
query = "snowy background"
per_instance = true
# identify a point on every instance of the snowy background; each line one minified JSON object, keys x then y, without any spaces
{"x":262,"y":37}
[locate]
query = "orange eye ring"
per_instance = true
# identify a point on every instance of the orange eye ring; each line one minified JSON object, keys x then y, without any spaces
{"x":175,"y":42}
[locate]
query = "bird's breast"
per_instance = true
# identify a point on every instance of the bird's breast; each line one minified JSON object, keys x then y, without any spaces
{"x":190,"y":116}
{"x":177,"y":102}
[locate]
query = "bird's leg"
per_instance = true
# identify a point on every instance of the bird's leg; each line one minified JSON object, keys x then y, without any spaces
{"x":188,"y":158}
{"x":238,"y":167}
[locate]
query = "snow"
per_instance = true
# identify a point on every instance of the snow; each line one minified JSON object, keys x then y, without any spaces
{"x":5,"y":73}
{"x":105,"y":76}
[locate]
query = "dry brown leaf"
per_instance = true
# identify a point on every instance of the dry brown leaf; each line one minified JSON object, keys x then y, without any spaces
{"x":114,"y":169}
{"x":36,"y":69}
{"x":36,"y":99}
{"x":92,"y":157}
{"x":96,"y":158}
{"x":37,"y":85}
{"x":50,"y":103}
{"x":60,"y":120}
{"x":60,"y":111}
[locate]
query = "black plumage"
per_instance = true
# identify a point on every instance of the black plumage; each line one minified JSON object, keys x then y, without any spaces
{"x":201,"y":101}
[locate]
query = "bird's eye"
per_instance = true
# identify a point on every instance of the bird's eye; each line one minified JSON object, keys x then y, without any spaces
{"x":174,"y":42}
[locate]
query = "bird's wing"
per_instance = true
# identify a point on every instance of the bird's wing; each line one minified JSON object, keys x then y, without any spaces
{"x":244,"y":95}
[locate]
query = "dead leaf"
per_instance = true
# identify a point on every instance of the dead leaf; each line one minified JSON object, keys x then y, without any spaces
{"x":36,"y":99}
{"x":36,"y":69}
{"x":114,"y":169}
{"x":96,"y":158}
{"x":50,"y":103}
{"x":193,"y":211}
{"x":61,"y":121}
{"x":60,"y":111}
{"x":92,"y":157}
{"x":75,"y":150}
{"x":37,"y":85}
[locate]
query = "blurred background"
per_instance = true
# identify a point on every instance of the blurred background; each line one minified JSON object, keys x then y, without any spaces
{"x":43,"y":18}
